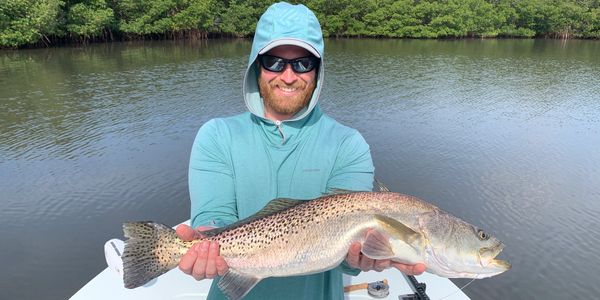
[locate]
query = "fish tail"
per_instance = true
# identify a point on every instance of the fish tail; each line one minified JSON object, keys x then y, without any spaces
{"x":149,"y":252}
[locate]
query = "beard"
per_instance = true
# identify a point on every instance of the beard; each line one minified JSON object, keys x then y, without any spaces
{"x":286,"y":105}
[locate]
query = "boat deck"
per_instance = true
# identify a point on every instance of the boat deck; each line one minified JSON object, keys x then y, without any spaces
{"x":177,"y":285}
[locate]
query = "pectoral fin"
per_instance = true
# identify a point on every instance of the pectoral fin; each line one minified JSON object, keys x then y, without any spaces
{"x":377,"y":246}
{"x":236,"y":285}
{"x":400,"y":231}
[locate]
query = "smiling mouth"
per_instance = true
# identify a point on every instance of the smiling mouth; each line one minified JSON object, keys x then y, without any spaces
{"x":287,"y":89}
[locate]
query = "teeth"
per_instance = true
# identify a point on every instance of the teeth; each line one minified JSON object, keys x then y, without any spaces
{"x":285,"y":89}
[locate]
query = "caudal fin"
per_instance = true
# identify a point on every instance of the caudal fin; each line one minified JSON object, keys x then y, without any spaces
{"x":151,"y":250}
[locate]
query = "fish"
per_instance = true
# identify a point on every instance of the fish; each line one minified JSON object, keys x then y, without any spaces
{"x":299,"y":237}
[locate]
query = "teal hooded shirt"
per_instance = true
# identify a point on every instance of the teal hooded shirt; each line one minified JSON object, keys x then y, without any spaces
{"x":239,"y":163}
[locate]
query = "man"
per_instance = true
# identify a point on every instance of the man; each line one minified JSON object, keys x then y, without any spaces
{"x":284,"y":147}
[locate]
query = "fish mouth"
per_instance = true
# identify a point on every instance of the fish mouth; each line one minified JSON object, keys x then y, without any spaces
{"x":487,"y":259}
{"x":500,"y":264}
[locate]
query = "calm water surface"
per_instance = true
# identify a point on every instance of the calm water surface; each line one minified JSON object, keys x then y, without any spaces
{"x":504,"y":133}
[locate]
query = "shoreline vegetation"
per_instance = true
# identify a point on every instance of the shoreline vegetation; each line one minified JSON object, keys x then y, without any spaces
{"x":47,"y":23}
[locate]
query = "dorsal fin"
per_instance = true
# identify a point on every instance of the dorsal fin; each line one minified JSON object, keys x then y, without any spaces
{"x":380,"y":186}
{"x":274,"y":206}
{"x":277,"y":205}
{"x":335,"y":191}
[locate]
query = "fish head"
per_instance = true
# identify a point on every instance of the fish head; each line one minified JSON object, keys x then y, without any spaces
{"x":457,"y":249}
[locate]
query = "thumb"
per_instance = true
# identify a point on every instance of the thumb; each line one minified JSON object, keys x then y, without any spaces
{"x":186,"y":232}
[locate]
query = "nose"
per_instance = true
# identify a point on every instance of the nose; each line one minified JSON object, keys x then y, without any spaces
{"x":288,"y":75}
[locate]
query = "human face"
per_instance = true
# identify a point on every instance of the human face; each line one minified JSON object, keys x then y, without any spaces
{"x":286,"y":93}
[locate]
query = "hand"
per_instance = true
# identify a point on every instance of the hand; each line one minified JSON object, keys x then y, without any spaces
{"x":202,"y":260}
{"x":359,"y":261}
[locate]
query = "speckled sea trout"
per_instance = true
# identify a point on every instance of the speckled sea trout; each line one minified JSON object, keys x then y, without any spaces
{"x":298,"y":237}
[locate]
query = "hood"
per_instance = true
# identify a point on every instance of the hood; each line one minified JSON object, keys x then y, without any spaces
{"x":283,"y":24}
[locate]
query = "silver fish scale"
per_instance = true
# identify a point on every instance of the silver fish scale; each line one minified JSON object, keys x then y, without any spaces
{"x":315,"y":233}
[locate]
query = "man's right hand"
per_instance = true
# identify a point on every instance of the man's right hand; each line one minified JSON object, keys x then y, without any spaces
{"x":202,"y":260}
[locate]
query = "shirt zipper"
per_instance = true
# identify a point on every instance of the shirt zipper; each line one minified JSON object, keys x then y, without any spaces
{"x":278,"y":124}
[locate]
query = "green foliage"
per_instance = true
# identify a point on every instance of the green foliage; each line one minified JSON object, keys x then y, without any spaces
{"x":239,"y":18}
{"x":195,"y":14}
{"x":342,"y":17}
{"x":25,"y":22}
{"x":147,"y":17}
{"x":89,"y":19}
{"x":561,"y":19}
{"x":591,"y":26}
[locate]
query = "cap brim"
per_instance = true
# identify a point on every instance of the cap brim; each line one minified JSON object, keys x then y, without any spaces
{"x":288,"y":41}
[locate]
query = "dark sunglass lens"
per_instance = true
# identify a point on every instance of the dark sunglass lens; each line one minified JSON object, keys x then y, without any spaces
{"x":277,"y":64}
{"x":272,"y":63}
{"x":305,"y":64}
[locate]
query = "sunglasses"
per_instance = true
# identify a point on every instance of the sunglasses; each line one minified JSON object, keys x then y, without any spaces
{"x":277,"y":64}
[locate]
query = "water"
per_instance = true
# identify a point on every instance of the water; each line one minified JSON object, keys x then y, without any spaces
{"x":503,"y":133}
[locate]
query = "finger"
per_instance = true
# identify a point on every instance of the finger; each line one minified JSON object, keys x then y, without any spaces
{"x":185,"y":232}
{"x":416,"y":269}
{"x":222,"y":266}
{"x":381,"y":264}
{"x":353,"y":255}
{"x":419,"y":269}
{"x":366,"y":263}
{"x":211,"y":267}
{"x":199,"y":271}
{"x":186,"y":263}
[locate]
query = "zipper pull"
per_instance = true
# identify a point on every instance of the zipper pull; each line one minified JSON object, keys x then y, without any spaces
{"x":278,"y":124}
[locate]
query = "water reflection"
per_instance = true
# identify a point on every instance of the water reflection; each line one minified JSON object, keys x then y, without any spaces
{"x":503,"y":133}
{"x":63,"y":101}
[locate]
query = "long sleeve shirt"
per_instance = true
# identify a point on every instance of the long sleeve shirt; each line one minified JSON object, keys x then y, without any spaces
{"x":239,"y":163}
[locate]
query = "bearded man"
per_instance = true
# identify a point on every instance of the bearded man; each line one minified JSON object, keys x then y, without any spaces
{"x":283,"y":147}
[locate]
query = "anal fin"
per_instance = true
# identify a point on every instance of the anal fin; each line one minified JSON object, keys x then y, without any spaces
{"x":236,"y":285}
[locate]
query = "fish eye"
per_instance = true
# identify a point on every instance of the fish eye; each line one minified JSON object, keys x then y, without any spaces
{"x":482,"y":235}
